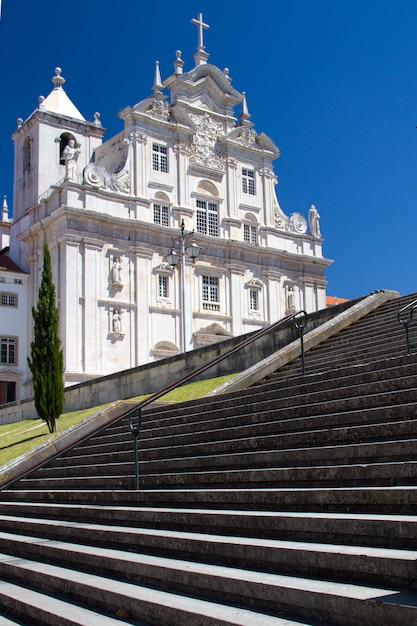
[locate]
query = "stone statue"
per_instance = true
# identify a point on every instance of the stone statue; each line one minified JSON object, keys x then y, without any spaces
{"x":117,"y":321}
{"x":70,"y":155}
{"x":290,"y":299}
{"x":116,"y":272}
{"x":313,"y":221}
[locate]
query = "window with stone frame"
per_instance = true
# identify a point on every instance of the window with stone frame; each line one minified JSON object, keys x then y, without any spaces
{"x":159,"y":158}
{"x":8,"y":350}
{"x":248,"y":181}
{"x":8,"y":299}
{"x":160,"y":214}
{"x":254,"y":299}
{"x":162,"y":286}
{"x":210,"y":293}
{"x":207,"y":218}
{"x":250,"y":233}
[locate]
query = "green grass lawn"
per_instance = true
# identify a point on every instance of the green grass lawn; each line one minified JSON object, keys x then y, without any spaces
{"x":20,"y":437}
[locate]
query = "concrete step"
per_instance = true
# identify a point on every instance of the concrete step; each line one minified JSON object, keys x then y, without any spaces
{"x":338,"y":413}
{"x":35,"y":607}
{"x":380,"y":452}
{"x":390,"y":500}
{"x":387,"y":442}
{"x":369,"y":474}
{"x":372,"y":530}
{"x":291,"y":434}
{"x":356,"y":385}
{"x":365,"y":565}
{"x":145,"y":603}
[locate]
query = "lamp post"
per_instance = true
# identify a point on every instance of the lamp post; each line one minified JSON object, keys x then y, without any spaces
{"x":181,"y":246}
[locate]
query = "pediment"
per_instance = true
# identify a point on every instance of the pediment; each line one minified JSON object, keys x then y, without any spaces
{"x":10,"y":374}
{"x":214,"y":329}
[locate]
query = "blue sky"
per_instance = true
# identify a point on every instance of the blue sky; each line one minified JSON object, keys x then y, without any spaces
{"x":334,"y":84}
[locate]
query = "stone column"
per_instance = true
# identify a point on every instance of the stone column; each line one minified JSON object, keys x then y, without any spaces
{"x":274,"y":298}
{"x":142,"y":266}
{"x":92,"y":332}
{"x":236,"y":295}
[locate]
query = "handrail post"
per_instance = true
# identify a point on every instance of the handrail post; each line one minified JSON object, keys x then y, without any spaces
{"x":300,"y":322}
{"x":405,"y":322}
{"x":135,"y":429}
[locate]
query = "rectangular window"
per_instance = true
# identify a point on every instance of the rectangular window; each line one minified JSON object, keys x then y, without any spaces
{"x":207,"y":218}
{"x":160,"y":214}
{"x":159,"y":158}
{"x":250,"y":233}
{"x":253,"y":300}
{"x":211,"y":293}
{"x":248,"y":181}
{"x":8,"y":354}
{"x":163,"y":286}
{"x":8,"y":299}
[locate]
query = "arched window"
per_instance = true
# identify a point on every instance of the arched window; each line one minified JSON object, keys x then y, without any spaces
{"x":27,"y":154}
{"x":63,"y":142}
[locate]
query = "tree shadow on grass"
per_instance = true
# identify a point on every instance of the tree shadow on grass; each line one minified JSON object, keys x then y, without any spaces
{"x":22,"y":441}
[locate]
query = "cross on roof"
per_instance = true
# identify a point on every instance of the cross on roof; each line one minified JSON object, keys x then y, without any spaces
{"x":201,"y":25}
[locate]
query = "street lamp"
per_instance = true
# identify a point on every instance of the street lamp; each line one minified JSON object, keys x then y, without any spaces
{"x":181,"y":246}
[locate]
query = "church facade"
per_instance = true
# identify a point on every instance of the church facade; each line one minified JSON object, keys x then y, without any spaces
{"x":165,"y":237}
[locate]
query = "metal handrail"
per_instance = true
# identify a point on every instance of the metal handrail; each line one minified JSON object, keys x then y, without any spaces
{"x":134,"y":414}
{"x":406,"y":321}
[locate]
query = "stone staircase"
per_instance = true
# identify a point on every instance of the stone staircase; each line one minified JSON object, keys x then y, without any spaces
{"x":292,"y":502}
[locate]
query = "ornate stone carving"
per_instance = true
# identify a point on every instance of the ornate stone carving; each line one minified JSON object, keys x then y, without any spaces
{"x":97,"y":176}
{"x":296,"y":223}
{"x":134,"y":136}
{"x":159,"y":109}
{"x":247,"y":137}
{"x":205,"y":149}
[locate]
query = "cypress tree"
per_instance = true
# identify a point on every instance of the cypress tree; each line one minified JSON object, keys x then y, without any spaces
{"x":47,"y":361}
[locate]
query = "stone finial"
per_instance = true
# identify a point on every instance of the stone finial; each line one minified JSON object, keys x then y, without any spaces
{"x":97,"y":120}
{"x":244,"y":113}
{"x":178,"y":63}
{"x":58,"y":80}
{"x":19,"y":122}
{"x":5,"y":210}
{"x":40,"y":102}
{"x":157,"y":83}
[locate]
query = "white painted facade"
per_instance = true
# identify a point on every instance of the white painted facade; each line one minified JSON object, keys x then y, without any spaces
{"x":110,"y":211}
{"x":13,"y":322}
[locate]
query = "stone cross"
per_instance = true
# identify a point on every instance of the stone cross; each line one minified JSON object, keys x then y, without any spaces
{"x":201,"y":25}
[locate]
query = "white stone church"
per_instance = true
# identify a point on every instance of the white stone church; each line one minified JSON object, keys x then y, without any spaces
{"x":188,"y":179}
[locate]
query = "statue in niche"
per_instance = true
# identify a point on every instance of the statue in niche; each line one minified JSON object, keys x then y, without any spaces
{"x":314,"y":221}
{"x":117,"y":321}
{"x":290,"y":299}
{"x":70,"y":155}
{"x":116,"y":271}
